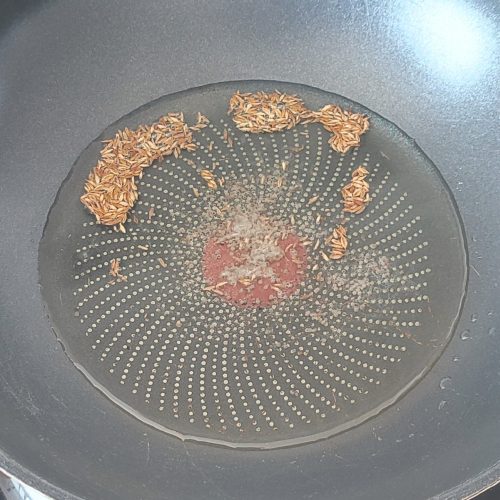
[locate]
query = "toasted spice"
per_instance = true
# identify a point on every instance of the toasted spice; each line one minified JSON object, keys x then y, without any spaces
{"x":209,"y":178}
{"x":115,"y":270}
{"x":338,"y":242}
{"x":228,"y":138}
{"x":266,"y":112}
{"x":151,"y":213}
{"x":347,"y":127}
{"x":110,"y":189}
{"x":272,"y":112}
{"x":355,"y":193}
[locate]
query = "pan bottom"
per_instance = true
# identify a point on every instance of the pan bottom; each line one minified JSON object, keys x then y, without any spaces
{"x":262,"y":367}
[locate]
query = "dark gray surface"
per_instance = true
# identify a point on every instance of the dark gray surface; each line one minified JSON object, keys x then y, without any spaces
{"x":68,"y":69}
{"x":416,"y":228}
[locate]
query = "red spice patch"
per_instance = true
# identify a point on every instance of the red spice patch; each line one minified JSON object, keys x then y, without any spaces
{"x":288,"y":272}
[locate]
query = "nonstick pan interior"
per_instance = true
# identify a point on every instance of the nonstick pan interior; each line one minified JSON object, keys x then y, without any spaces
{"x":354,"y":335}
{"x":68,"y":71}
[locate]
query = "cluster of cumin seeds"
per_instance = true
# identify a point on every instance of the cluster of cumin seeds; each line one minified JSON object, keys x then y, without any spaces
{"x":346,"y":127}
{"x":209,"y":177}
{"x":355,"y":199}
{"x":110,"y":189}
{"x":355,"y":193}
{"x":264,"y":112}
{"x":338,"y":242}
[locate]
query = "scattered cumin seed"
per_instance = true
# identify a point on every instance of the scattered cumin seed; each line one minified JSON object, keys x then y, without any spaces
{"x":206,"y":175}
{"x":151,"y":213}
{"x":115,"y":270}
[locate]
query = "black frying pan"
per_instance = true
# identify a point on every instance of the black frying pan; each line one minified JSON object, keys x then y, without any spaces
{"x":70,"y":70}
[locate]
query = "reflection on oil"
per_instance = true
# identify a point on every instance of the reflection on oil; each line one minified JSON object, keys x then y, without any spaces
{"x":451,"y":38}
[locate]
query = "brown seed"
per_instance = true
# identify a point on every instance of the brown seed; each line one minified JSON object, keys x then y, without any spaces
{"x":336,"y":255}
{"x":338,"y":242}
{"x":114,"y":270}
{"x":114,"y":267}
{"x":266,"y":112}
{"x":110,"y":190}
{"x":355,"y":193}
{"x":206,"y":175}
{"x":325,"y":257}
{"x":151,"y":213}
